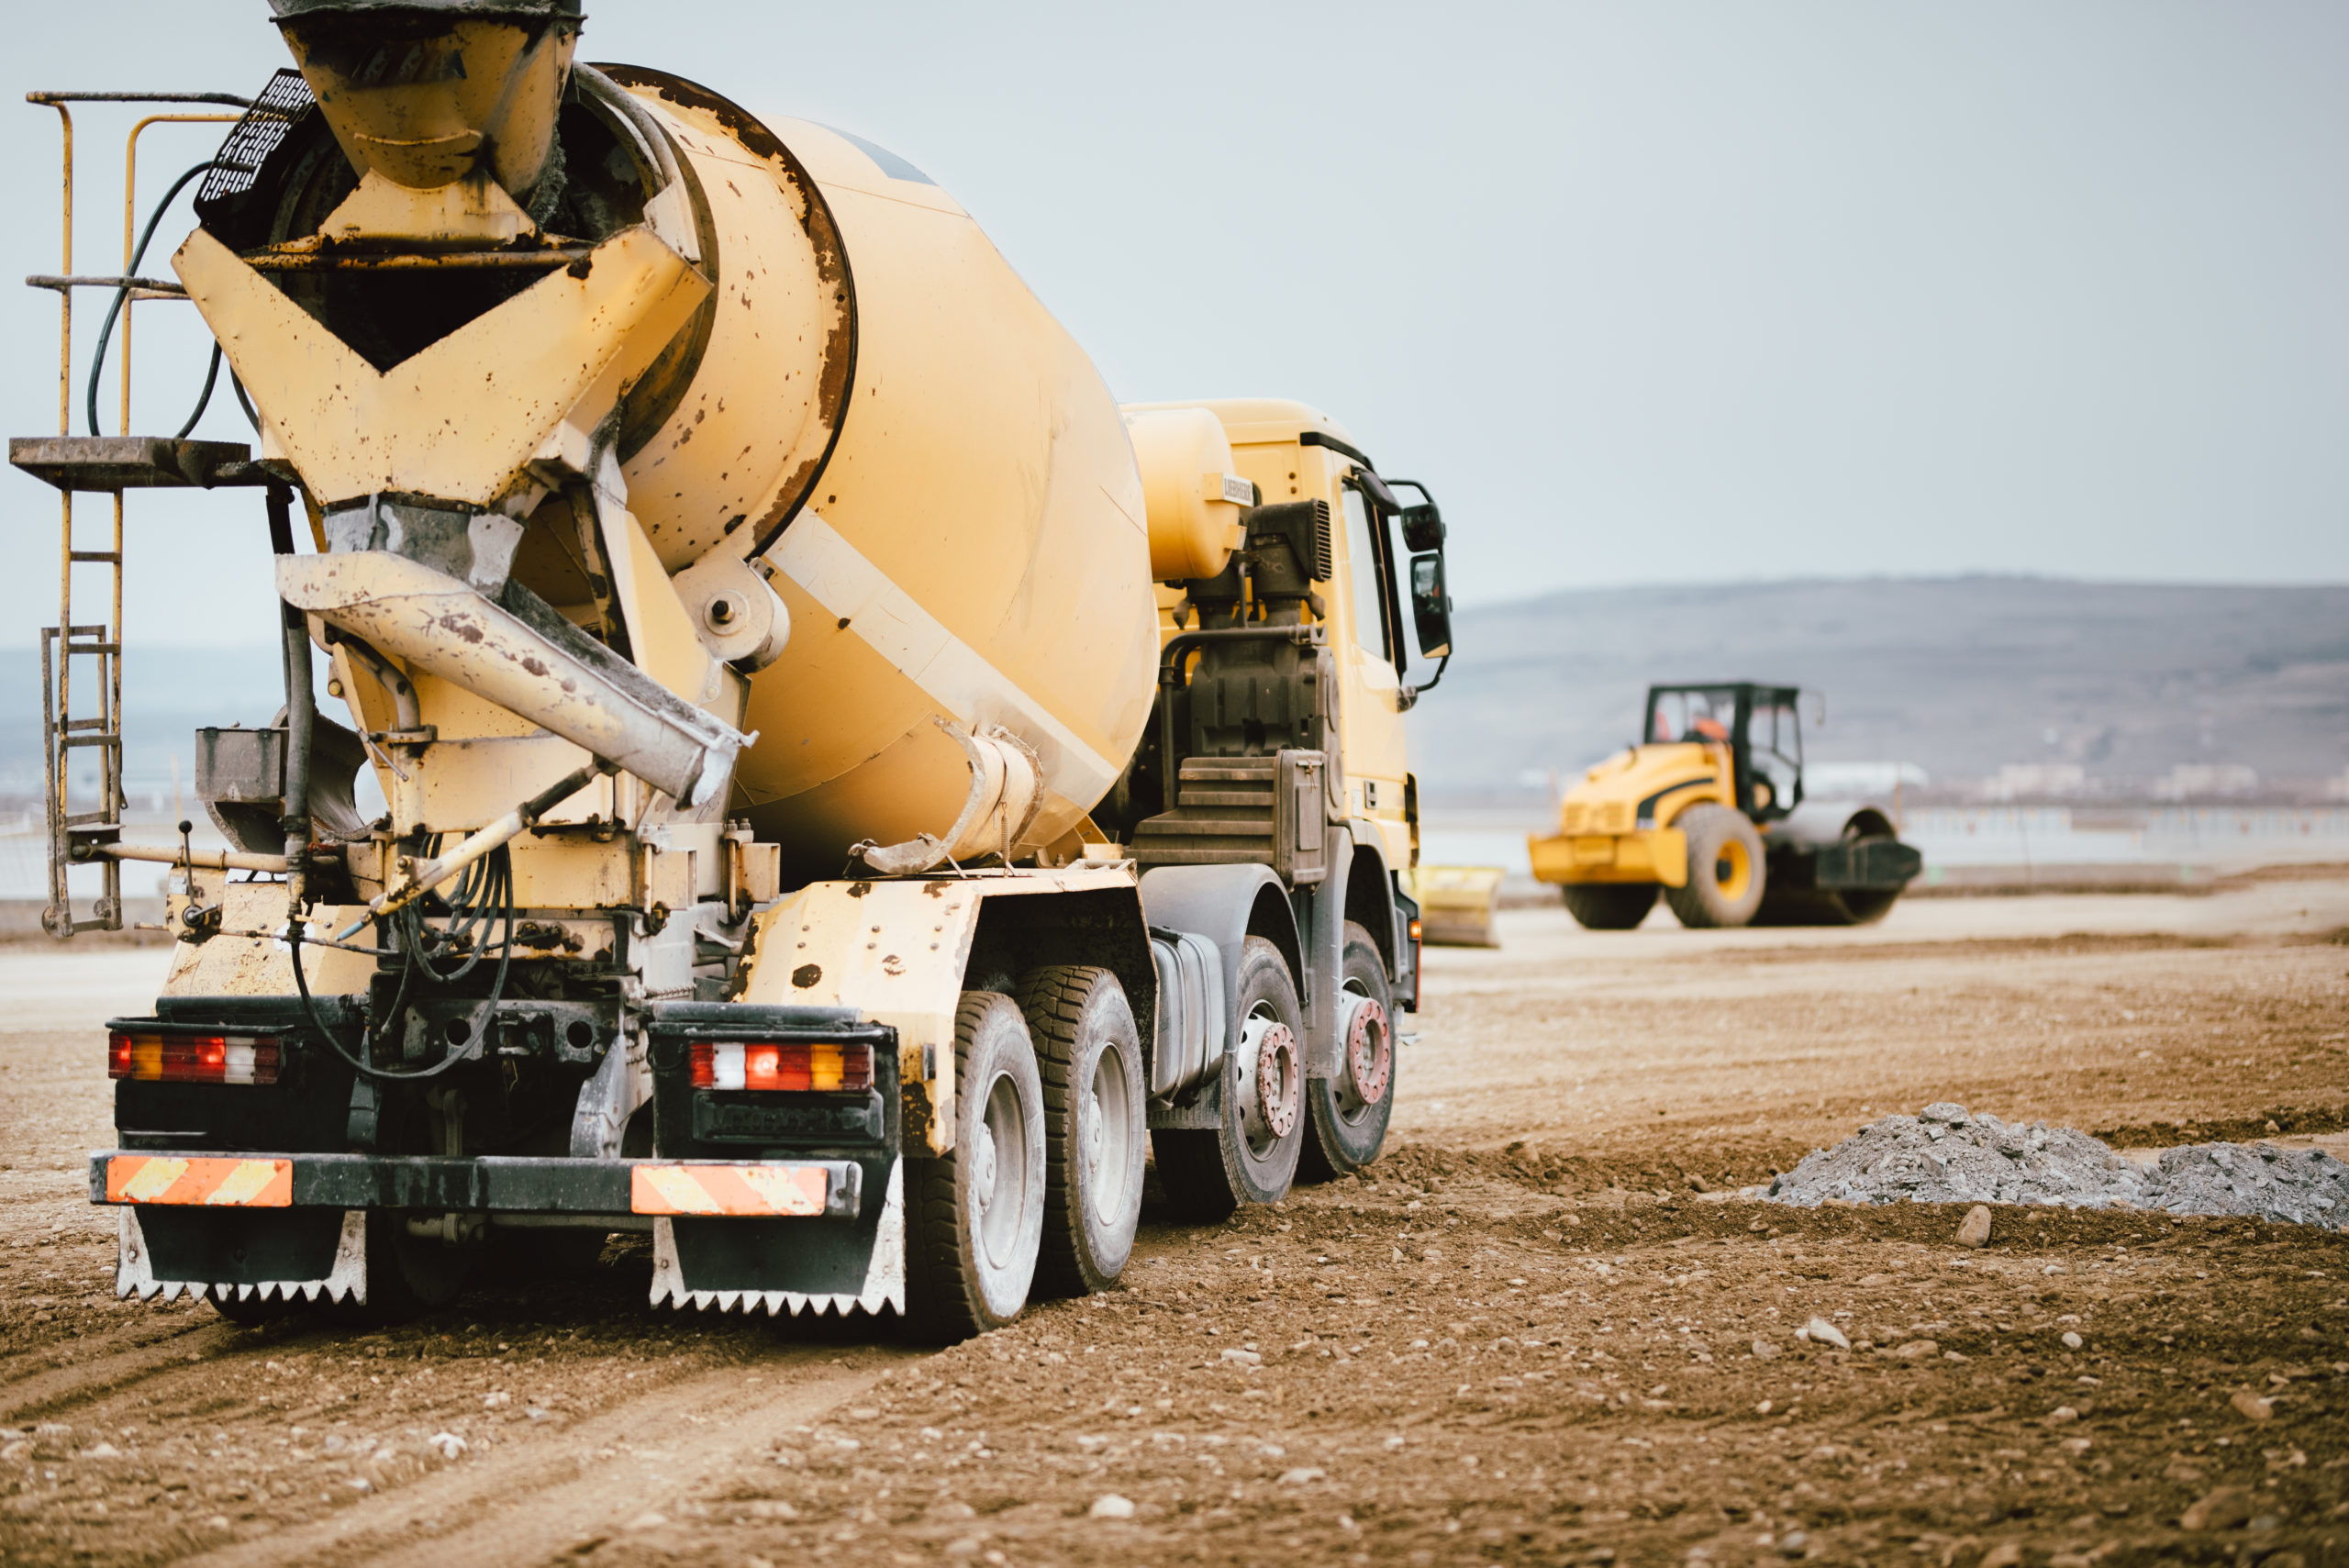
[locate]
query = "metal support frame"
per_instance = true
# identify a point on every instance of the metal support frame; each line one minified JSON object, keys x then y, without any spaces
{"x":76,"y":836}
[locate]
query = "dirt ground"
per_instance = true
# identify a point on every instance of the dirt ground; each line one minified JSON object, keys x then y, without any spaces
{"x":1547,"y":1329}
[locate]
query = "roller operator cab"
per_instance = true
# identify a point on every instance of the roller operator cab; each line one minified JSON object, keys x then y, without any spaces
{"x":1709,"y":809}
{"x":851,"y":790}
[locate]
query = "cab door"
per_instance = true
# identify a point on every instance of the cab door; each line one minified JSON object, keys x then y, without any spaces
{"x":1372,"y":641}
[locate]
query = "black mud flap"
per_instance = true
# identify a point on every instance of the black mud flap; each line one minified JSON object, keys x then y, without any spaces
{"x":779,"y":1265}
{"x":311,"y":1254}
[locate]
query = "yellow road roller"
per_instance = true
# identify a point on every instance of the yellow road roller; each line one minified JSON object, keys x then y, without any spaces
{"x":1709,"y":809}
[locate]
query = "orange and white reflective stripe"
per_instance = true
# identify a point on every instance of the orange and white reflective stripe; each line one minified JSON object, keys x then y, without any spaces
{"x":192,"y":1179}
{"x":737,"y":1190}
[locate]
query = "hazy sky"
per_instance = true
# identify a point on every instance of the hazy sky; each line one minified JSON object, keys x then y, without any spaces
{"x":1644,"y":290}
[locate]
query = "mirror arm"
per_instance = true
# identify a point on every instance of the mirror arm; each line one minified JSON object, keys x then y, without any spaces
{"x":1419,"y":692}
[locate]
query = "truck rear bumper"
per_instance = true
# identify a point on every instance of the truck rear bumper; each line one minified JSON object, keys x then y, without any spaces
{"x":765,"y":1189}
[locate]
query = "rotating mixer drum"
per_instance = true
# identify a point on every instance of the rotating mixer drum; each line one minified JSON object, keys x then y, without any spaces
{"x":867,"y":407}
{"x":974,"y":549}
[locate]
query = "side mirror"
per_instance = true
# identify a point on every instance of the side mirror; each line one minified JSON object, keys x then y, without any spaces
{"x":1431,"y":605}
{"x":1422,"y":528}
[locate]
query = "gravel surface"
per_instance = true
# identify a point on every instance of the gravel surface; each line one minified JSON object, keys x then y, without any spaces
{"x":1549,"y":1329}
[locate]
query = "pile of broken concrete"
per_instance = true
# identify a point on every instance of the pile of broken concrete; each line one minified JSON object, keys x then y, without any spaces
{"x":1943,"y":1154}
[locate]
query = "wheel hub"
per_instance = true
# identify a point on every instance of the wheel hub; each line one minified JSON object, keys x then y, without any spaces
{"x":1370,"y":1050}
{"x":983,"y":1158}
{"x":1272,"y":1087}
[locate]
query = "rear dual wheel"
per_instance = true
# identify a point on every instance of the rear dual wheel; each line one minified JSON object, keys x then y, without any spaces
{"x":974,"y":1216}
{"x":1088,"y":1055}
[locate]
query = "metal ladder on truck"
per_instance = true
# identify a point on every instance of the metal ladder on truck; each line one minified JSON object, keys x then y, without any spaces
{"x":81,"y":656}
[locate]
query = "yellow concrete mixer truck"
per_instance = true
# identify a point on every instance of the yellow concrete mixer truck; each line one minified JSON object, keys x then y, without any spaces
{"x":852,"y":790}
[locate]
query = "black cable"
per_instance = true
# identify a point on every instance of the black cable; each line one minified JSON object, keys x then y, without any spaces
{"x":399,"y":1001}
{"x":122,"y":295}
{"x":204,"y":400}
{"x":244,"y":402}
{"x":497,"y":882}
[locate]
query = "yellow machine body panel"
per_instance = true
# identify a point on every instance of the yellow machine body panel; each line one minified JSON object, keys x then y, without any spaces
{"x":1616,"y":825}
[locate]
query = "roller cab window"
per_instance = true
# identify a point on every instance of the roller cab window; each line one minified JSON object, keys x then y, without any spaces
{"x":1692,"y":713}
{"x":1774,"y":746}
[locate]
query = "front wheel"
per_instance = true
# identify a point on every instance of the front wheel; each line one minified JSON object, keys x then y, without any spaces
{"x":1249,"y":1156}
{"x":1609,"y":906}
{"x":1725,"y":869}
{"x":1089,"y":1055}
{"x":974,"y":1216}
{"x":1349,"y":1112}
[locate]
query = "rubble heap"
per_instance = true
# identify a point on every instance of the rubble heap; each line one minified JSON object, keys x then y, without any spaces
{"x":1945,"y":1154}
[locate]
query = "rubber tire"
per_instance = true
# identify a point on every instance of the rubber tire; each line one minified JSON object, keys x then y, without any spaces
{"x":1866,"y":906}
{"x":1609,"y":906}
{"x":1333,"y":1146}
{"x":523,"y":1258}
{"x":952,"y":1290}
{"x":1209,"y":1172}
{"x":1838,"y":906}
{"x":1077,"y":1016}
{"x":408,"y":1276}
{"x":1703,"y":902}
{"x":253,"y":1312}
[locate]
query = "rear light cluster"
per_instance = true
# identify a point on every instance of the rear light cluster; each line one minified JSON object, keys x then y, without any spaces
{"x":788,"y":1064}
{"x":193,"y":1058}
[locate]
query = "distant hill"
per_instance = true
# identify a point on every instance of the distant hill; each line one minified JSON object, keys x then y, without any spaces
{"x":1964,"y":675}
{"x":166,"y":693}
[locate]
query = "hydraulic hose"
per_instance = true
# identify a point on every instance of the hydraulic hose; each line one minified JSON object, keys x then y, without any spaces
{"x":300,"y":706}
{"x":122,"y":296}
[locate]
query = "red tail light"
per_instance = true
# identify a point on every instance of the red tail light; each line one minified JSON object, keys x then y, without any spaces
{"x":173,"y":1058}
{"x":784,"y":1064}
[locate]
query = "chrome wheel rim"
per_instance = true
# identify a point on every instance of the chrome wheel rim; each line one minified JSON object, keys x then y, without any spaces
{"x":1000,"y":1175}
{"x":1106,"y":1135}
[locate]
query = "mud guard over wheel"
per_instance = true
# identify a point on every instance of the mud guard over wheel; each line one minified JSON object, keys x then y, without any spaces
{"x":974,"y":1218}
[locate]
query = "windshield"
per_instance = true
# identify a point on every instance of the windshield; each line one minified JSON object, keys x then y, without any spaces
{"x":1693,"y":712}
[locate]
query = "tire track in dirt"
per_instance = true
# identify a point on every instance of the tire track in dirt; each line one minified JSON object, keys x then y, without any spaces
{"x":41,"y":1393}
{"x":524,"y":1503}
